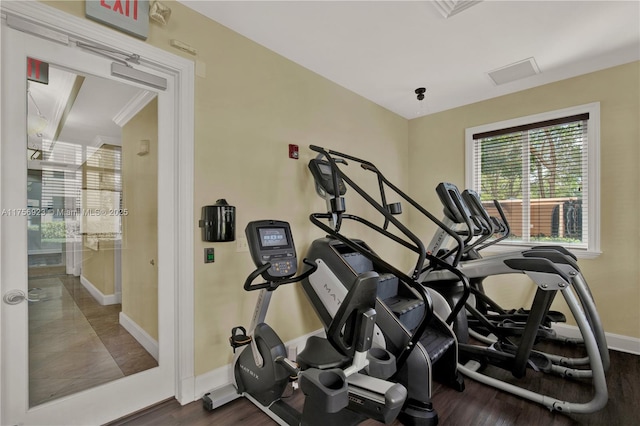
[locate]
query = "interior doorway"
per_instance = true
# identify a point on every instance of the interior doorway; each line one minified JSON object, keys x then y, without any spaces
{"x":80,"y":165}
{"x":174,"y":370}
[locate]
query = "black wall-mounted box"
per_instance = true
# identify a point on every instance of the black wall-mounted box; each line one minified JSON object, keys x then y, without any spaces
{"x":218,"y":222}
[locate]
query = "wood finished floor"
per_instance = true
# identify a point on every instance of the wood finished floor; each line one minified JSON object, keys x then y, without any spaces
{"x":74,"y":342}
{"x":477,"y":405}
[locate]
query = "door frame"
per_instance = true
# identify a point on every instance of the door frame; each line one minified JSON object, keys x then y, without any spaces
{"x":182,"y":71}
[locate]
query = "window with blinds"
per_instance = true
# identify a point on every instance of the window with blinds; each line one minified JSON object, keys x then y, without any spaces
{"x":102,"y":193}
{"x":61,"y":184}
{"x":541,"y":172}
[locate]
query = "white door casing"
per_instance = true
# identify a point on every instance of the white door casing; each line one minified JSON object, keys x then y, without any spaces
{"x":174,"y":376}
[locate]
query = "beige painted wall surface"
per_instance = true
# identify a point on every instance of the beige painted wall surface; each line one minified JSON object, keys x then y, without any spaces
{"x":140,"y":223}
{"x":436,"y":144}
{"x":98,"y":266}
{"x":98,"y":245}
{"x":250,"y":105}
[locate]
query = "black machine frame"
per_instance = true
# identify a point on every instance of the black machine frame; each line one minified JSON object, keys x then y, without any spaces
{"x":439,"y":268}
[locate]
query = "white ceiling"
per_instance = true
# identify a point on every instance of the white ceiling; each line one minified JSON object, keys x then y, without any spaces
{"x":82,"y":119}
{"x":93,"y":112}
{"x":85,"y":116}
{"x":384,"y":50}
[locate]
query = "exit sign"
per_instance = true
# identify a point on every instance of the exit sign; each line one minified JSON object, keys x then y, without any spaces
{"x":37,"y":71}
{"x":130,"y":16}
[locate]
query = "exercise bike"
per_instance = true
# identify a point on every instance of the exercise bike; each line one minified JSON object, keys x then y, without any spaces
{"x":330,"y":375}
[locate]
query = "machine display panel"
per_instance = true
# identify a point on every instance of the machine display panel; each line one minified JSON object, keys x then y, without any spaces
{"x":325,"y":169}
{"x":273,"y":237}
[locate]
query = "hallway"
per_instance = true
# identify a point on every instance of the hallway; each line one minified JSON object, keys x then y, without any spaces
{"x":74,"y":342}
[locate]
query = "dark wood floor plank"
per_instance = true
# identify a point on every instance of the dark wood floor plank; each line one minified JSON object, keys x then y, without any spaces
{"x":478,"y":405}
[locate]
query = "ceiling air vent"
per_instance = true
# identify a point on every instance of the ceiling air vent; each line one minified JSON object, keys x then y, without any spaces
{"x":450,"y":7}
{"x":515,"y":71}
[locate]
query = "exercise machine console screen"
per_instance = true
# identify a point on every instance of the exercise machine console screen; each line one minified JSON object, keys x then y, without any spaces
{"x":270,"y":242}
{"x":322,"y":173}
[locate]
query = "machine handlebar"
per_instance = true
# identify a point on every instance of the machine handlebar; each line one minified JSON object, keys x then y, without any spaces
{"x":273,"y":283}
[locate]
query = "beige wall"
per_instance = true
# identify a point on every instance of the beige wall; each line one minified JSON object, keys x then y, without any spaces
{"x":98,"y":265}
{"x":249,"y":107}
{"x":253,"y":103}
{"x":436,"y":144}
{"x":140,"y":221}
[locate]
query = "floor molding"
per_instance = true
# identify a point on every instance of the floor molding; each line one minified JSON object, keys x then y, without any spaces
{"x":616,"y":342}
{"x":101,"y":298}
{"x":138,"y":333}
{"x":219,"y":381}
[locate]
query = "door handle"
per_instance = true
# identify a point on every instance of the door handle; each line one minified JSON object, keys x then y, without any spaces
{"x":13,"y":297}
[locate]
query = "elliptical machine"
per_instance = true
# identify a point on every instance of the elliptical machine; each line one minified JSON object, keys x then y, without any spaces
{"x":506,"y":339}
{"x":335,"y":390}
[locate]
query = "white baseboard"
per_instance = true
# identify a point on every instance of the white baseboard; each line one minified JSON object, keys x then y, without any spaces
{"x":220,"y":379}
{"x":616,"y":342}
{"x":185,"y":393}
{"x":103,"y":299}
{"x":147,"y":342}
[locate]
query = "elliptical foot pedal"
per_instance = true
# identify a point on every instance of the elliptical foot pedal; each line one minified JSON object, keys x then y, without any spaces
{"x":537,"y":360}
{"x":551,"y":316}
{"x":555,"y":316}
{"x":239,"y":339}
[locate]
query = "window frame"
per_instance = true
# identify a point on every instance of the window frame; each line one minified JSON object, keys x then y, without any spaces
{"x":593,"y":170}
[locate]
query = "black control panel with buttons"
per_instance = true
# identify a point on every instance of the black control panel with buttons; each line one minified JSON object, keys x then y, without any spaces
{"x":270,"y":242}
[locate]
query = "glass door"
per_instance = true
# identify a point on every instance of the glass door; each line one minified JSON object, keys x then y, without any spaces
{"x":80,"y":239}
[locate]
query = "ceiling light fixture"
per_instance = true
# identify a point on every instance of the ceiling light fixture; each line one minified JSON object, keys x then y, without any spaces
{"x":422,"y":108}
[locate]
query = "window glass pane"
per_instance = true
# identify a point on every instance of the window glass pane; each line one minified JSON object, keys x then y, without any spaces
{"x":103,"y":193}
{"x":501,"y":178}
{"x":538,"y":176}
{"x":556,"y":183}
{"x":501,"y":168}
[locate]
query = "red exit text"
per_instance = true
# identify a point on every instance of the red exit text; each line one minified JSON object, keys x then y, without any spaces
{"x":126,"y":7}
{"x":37,"y":71}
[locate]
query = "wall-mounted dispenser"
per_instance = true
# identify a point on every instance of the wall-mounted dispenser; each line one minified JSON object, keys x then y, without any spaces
{"x":218,"y":222}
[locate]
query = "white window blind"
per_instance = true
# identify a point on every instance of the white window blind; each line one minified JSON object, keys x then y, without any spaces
{"x":540,"y":172}
{"x":102,"y":192}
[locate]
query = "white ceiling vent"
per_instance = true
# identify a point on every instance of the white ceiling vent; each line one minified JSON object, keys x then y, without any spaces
{"x":515,"y":71}
{"x":450,"y":7}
